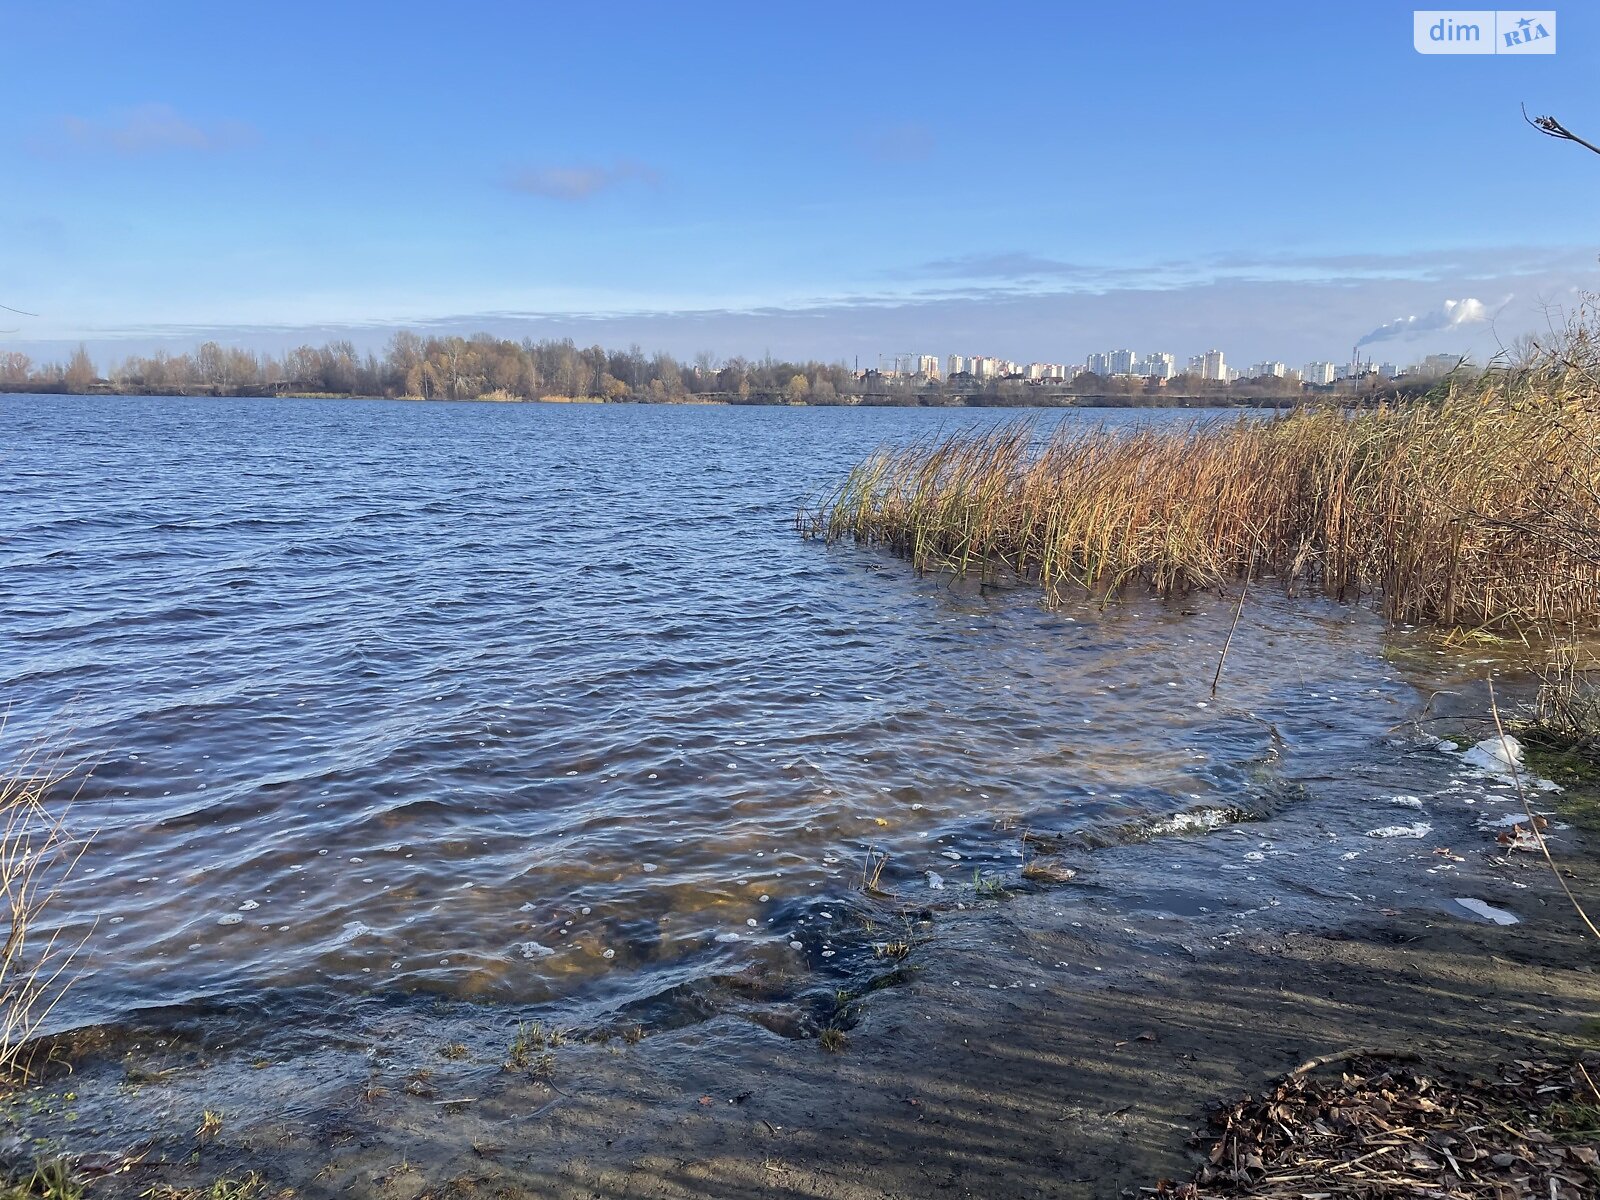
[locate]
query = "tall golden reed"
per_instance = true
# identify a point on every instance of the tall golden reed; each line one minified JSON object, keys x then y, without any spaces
{"x":1477,"y":507}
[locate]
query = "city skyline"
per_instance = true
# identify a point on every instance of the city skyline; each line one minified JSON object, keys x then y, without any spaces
{"x":1159,"y":364}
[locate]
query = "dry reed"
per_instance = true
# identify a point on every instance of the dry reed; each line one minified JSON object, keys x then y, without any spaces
{"x":1478,"y":507}
{"x":37,"y":854}
{"x":1566,"y":710}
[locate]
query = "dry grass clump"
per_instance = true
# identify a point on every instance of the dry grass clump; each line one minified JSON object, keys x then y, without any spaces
{"x":1479,"y":507}
{"x":37,"y":854}
{"x":1567,"y":708}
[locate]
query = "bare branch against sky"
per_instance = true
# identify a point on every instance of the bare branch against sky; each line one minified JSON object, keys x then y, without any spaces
{"x":1554,"y":128}
{"x":19,"y":313}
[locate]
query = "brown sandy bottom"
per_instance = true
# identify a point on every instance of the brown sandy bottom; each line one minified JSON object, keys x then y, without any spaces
{"x":1045,"y":1045}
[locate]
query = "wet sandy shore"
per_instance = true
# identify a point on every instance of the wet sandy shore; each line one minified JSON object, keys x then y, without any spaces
{"x":1062,"y":1041}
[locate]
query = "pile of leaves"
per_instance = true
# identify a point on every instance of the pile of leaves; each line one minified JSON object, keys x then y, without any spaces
{"x":1385,"y":1129}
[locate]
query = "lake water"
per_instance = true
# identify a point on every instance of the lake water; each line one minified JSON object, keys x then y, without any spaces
{"x":549,"y":704}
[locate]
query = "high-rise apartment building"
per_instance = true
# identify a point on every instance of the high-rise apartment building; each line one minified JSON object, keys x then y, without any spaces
{"x":1157,"y":365}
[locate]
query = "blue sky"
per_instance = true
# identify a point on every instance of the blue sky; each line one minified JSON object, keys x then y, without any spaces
{"x":1029,"y":180}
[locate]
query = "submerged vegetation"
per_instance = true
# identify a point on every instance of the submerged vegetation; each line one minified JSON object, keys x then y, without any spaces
{"x":1478,"y":507}
{"x":47,"y":1179}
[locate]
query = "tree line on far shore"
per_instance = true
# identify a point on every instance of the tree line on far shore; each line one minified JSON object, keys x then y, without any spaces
{"x":434,"y":368}
{"x":483,"y":367}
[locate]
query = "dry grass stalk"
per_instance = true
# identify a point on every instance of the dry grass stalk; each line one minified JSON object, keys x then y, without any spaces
{"x":872,"y":872}
{"x":37,"y":854}
{"x":1567,"y":708}
{"x":1535,"y":828}
{"x":1479,"y":508}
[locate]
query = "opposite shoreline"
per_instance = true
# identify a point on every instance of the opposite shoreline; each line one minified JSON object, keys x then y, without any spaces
{"x":1053,"y":402}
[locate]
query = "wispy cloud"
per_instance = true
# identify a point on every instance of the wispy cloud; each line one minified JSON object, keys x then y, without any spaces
{"x":1025,"y":271}
{"x":1292,"y":319}
{"x":147,"y":129}
{"x":580,"y":182}
{"x":899,"y":144}
{"x":1021,"y":271}
{"x":1015,"y":264}
{"x":1439,"y":263}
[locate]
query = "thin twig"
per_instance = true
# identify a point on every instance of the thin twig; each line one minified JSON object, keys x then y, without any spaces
{"x":1243,"y":592}
{"x":1592,"y":1089}
{"x":1323,"y":1060}
{"x":1533,"y":822}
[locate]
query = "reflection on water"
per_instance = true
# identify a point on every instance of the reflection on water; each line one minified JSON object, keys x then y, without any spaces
{"x":548,"y":702}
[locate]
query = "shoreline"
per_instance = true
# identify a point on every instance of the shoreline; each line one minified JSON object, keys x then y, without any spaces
{"x":1064,"y":1041}
{"x":1196,"y":403}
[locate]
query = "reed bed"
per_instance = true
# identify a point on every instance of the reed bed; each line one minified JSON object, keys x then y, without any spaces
{"x":1478,"y":507}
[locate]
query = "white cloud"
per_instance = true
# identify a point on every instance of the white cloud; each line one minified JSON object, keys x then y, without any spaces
{"x":151,"y":129}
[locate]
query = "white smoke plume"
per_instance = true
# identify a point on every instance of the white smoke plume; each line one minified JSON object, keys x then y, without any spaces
{"x":1453,"y":315}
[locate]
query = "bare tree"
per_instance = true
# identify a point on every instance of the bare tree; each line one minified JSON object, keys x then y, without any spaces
{"x":80,"y":372}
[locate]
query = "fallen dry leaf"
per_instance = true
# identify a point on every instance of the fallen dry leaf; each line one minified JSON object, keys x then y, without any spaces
{"x":1385,"y":1129}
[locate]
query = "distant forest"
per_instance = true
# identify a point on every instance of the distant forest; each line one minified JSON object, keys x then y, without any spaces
{"x":483,"y":367}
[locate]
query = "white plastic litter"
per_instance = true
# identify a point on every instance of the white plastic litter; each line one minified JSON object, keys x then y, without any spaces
{"x":1488,"y":911}
{"x":1497,"y":755}
{"x":1504,"y":822}
{"x":935,"y":881}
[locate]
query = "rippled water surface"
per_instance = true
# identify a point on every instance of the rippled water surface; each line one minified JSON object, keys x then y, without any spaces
{"x":550,"y":703}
